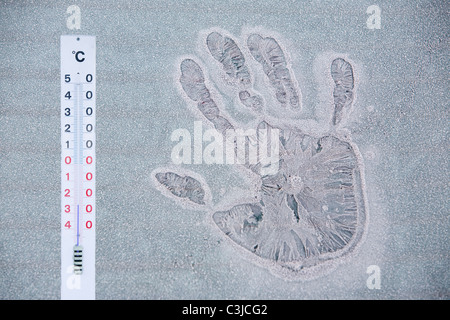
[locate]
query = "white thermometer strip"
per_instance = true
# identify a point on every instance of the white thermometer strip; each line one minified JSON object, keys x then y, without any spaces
{"x":78,"y":96}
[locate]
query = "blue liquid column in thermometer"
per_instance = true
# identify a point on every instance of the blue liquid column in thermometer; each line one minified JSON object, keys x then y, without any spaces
{"x":78,"y":96}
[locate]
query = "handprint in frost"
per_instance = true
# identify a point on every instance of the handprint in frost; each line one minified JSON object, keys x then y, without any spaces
{"x":311,"y":212}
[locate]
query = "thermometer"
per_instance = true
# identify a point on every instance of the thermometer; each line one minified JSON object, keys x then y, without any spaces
{"x":78,"y":95}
